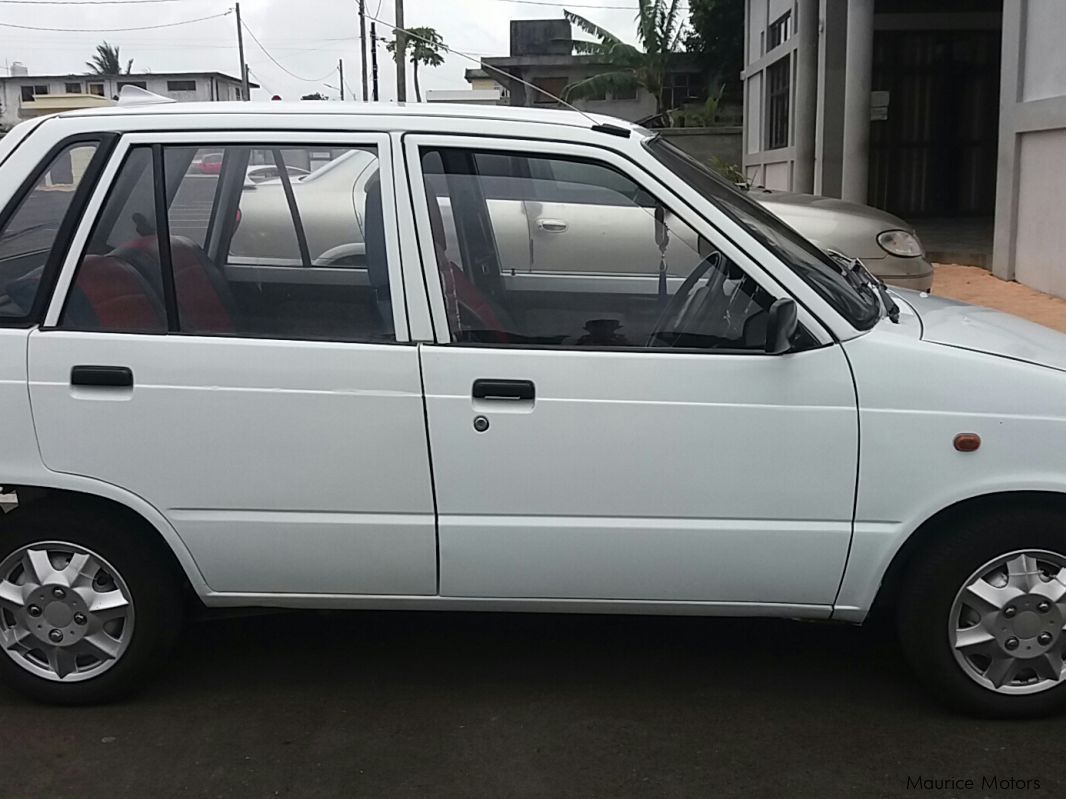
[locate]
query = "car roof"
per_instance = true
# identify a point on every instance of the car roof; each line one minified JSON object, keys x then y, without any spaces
{"x":311,"y":108}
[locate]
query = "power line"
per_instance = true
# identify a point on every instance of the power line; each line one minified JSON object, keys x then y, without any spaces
{"x":279,"y":65}
{"x":82,"y":2}
{"x":578,"y":5}
{"x":507,"y":75}
{"x":113,"y":30}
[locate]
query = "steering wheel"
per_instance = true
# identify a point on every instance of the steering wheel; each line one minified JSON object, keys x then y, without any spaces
{"x":677,"y":301}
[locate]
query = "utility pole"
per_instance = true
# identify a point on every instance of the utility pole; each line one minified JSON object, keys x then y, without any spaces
{"x":240,"y":49}
{"x":362,"y":41}
{"x":340,"y":69}
{"x":401,"y":55}
{"x":374,"y":58}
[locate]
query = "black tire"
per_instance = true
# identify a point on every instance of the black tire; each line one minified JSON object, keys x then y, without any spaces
{"x":936,"y":574}
{"x":153,"y":582}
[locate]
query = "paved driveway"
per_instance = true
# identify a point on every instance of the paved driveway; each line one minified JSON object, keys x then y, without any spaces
{"x":469,"y":705}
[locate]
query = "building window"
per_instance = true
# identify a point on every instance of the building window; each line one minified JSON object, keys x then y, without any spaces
{"x":27,"y":94}
{"x":553,"y":87}
{"x":238,"y":94}
{"x":140,"y":84}
{"x":683,"y":87}
{"x":72,"y":88}
{"x":628,"y":93}
{"x":181,"y":85}
{"x":40,"y":89}
{"x":780,"y":30}
{"x":778,"y":90}
{"x":97,"y":89}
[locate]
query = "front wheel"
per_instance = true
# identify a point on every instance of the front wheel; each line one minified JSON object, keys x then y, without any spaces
{"x":983,"y":613}
{"x":87,"y":605}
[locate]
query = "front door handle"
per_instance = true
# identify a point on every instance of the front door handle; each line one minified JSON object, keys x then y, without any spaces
{"x":102,"y":376}
{"x":552,"y":225}
{"x":504,"y":390}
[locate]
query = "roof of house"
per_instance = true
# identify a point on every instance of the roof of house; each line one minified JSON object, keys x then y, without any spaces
{"x":131,"y":76}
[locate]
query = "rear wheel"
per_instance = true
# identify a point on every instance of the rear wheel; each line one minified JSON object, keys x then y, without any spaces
{"x":87,"y":605}
{"x":983,"y":613}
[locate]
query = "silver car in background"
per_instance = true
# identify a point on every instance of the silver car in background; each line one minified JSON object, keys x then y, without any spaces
{"x":885,"y":243}
{"x":614,"y":230}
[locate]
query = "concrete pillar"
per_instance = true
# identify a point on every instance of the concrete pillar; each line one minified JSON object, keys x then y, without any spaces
{"x":829,"y":133}
{"x":858,"y":80}
{"x":805,"y":114}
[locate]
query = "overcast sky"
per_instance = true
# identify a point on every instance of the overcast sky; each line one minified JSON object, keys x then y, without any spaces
{"x":305,"y":36}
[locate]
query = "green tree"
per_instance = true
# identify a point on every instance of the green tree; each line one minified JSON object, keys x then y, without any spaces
{"x":107,"y":61}
{"x":659,"y":30}
{"x":717,"y":36}
{"x":426,"y":46}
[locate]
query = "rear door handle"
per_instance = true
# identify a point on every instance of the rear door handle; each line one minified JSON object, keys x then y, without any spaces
{"x":504,"y":390}
{"x":102,"y":376}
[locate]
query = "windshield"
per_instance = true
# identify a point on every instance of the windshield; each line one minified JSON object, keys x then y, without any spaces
{"x":814,"y":266}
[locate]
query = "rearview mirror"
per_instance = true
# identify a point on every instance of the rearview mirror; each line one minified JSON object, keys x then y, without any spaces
{"x":781,"y":323}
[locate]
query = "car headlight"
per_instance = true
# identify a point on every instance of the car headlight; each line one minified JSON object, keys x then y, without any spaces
{"x":901,"y":243}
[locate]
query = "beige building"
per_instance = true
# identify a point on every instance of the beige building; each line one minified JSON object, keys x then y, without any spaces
{"x":954,"y":110}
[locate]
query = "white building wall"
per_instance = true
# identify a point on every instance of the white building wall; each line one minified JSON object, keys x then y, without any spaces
{"x":208,"y":88}
{"x":1030,"y":243}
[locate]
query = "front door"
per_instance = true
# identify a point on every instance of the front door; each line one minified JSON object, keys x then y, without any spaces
{"x":600,"y":432}
{"x":270,"y":407}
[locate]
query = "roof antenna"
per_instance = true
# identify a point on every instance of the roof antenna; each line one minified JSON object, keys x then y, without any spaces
{"x":602,"y":127}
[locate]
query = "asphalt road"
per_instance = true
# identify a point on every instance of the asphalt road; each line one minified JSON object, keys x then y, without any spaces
{"x":465,"y":705}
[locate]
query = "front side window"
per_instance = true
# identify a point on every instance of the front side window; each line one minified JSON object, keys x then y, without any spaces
{"x":860,"y":307}
{"x":297,"y":254}
{"x":542,"y":251}
{"x":31,"y":232}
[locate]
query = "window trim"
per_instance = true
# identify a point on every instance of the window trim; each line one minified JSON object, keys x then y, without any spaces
{"x":68,"y":226}
{"x":413,"y":143}
{"x":162,"y":237}
{"x":264,"y":138}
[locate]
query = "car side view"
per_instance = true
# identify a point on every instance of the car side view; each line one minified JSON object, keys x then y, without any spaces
{"x":534,"y":361}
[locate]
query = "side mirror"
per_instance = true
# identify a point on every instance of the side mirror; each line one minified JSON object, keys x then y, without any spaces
{"x":781,"y":323}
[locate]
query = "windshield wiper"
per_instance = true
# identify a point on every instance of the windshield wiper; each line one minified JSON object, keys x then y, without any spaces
{"x":860,"y":277}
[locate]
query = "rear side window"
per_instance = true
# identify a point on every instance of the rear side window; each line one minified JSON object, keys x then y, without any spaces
{"x":197,"y":240}
{"x":32,"y":231}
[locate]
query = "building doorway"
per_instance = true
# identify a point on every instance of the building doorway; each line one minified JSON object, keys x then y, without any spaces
{"x":935,"y":152}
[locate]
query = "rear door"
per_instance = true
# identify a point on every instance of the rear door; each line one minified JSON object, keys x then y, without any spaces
{"x":272,"y":411}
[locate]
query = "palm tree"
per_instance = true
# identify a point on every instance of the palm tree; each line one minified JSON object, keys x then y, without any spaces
{"x":426,"y":46}
{"x":659,"y":32}
{"x":107,"y":61}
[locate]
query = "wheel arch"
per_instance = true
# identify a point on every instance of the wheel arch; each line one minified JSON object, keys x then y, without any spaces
{"x":94,"y":496}
{"x":940,"y":524}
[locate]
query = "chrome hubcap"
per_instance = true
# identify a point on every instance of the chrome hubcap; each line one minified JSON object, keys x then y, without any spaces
{"x":65,"y":614}
{"x":1006,"y":624}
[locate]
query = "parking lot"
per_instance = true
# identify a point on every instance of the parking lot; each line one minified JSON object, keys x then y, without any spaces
{"x":406,"y":704}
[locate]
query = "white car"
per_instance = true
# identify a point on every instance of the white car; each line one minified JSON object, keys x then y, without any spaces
{"x":718,"y":420}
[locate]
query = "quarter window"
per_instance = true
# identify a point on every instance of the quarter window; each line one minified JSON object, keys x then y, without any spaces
{"x":31,"y":233}
{"x":299,"y":254}
{"x":572,"y":253}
